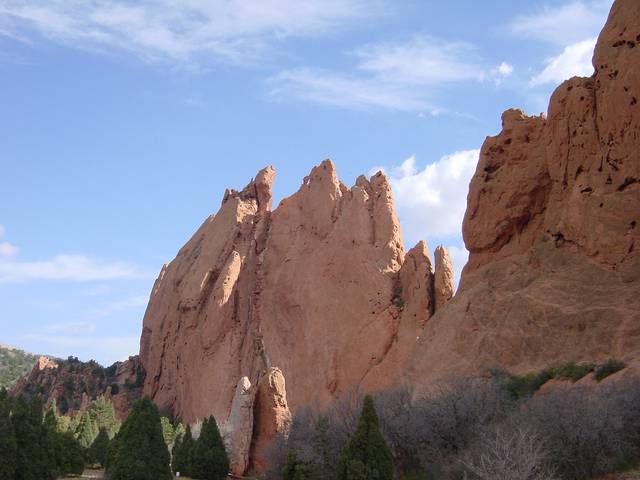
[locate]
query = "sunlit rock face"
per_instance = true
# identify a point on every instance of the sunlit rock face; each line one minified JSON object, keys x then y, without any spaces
{"x":552,"y":229}
{"x":320,"y":288}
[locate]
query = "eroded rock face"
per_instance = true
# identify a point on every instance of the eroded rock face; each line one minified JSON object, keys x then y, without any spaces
{"x":73,"y":384}
{"x":272,"y":416}
{"x":552,"y":229}
{"x":320,"y":287}
{"x":237,"y":431}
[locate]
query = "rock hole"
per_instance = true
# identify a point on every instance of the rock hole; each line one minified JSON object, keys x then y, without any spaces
{"x":627,"y":181}
{"x":581,"y":99}
{"x":578,"y":171}
{"x":631,"y":44}
{"x":507,"y":141}
{"x":632,"y":224}
{"x":601,"y":205}
{"x":586,"y":190}
{"x":634,"y":100}
{"x":619,"y":43}
{"x":569,"y":88}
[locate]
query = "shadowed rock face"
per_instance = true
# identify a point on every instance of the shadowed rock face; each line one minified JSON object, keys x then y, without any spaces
{"x":552,"y":229}
{"x":320,"y":288}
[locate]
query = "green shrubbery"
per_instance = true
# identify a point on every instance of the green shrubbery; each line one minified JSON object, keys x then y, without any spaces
{"x":32,"y":447}
{"x":522,"y":386}
{"x":608,"y":368}
{"x":14,"y":364}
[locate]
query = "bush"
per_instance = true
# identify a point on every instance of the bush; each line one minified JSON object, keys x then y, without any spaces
{"x":573,"y":371}
{"x":138,"y":450}
{"x":8,"y":447}
{"x":513,"y":454}
{"x":209,"y":460}
{"x":608,"y":368}
{"x":367,"y":455}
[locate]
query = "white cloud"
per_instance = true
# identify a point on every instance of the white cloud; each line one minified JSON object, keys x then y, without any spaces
{"x":77,"y":268}
{"x":564,"y":24}
{"x":183,"y":32}
{"x":432,"y":200}
{"x":574,"y":60}
{"x":7,"y":249}
{"x":390,"y":75}
{"x":505,"y":69}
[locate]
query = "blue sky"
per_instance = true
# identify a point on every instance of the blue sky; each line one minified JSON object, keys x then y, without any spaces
{"x":123,"y":122}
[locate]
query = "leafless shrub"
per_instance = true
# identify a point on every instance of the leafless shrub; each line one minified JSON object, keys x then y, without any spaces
{"x":508,"y":454}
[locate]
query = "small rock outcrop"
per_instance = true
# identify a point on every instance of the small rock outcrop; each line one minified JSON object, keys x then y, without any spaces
{"x":73,"y":384}
{"x":552,"y":229}
{"x":443,"y":282}
{"x":237,"y":431}
{"x":272,"y":416}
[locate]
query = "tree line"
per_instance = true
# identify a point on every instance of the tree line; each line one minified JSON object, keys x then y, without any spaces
{"x":38,"y":444}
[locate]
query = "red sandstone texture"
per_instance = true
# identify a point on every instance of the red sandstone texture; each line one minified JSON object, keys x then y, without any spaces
{"x":552,"y":229}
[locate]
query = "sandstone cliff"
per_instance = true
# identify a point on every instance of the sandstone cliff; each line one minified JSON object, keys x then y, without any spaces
{"x":320,"y":288}
{"x":552,"y":229}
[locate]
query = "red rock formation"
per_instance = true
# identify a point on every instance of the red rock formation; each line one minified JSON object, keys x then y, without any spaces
{"x":271,"y":415}
{"x":74,"y":384}
{"x":552,"y":229}
{"x":320,"y":288}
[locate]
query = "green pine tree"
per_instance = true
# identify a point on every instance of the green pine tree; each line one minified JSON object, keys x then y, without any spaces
{"x":366,"y":456}
{"x":69,"y":454}
{"x":138,"y":451}
{"x":49,"y":438}
{"x":86,"y":431}
{"x":183,"y":453}
{"x":99,"y":448}
{"x":32,"y":459}
{"x":210,"y":460}
{"x":8,"y":447}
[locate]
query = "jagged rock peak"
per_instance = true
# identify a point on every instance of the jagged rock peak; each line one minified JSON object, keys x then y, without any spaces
{"x":259,"y":189}
{"x":443,"y":277}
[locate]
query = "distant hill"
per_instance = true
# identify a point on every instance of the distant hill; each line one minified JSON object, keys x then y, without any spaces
{"x":14,"y":363}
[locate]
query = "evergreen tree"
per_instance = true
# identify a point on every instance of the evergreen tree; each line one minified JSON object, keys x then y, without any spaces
{"x":296,"y":469}
{"x":99,"y":414}
{"x":183,"y":453}
{"x":210,"y":460}
{"x":32,"y":459}
{"x":138,"y":451}
{"x":99,"y":448}
{"x":69,"y":454}
{"x":8,"y":448}
{"x":86,"y":431}
{"x":49,"y":438}
{"x":366,"y":455}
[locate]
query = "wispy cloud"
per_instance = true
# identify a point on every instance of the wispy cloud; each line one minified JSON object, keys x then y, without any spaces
{"x":189,"y":31}
{"x":574,"y":27}
{"x":77,"y":268}
{"x":118,"y":306}
{"x":390,"y":75}
{"x":563,"y":24}
{"x":574,"y":60}
{"x":72,"y":328}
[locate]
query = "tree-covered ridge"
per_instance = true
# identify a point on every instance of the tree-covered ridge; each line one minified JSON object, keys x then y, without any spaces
{"x":14,"y":363}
